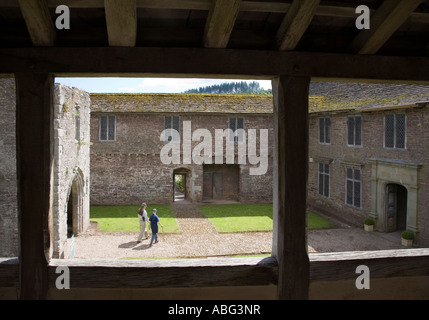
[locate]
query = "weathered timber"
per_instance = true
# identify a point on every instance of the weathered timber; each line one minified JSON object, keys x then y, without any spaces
{"x":291,"y":143}
{"x":220,"y":23}
{"x":34,"y":164}
{"x":39,"y":23}
{"x":382,"y":264}
{"x":386,"y":20}
{"x":167,"y":273}
{"x":121,"y":20}
{"x":197,"y":62}
{"x":294,"y":24}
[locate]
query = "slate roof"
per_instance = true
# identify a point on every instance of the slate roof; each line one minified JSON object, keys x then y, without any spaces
{"x":324,"y":97}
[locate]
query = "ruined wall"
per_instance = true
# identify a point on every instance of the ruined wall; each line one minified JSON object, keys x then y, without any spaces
{"x":9,"y":236}
{"x":71,"y":163}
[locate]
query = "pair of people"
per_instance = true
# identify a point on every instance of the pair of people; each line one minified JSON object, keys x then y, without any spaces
{"x":154,"y":221}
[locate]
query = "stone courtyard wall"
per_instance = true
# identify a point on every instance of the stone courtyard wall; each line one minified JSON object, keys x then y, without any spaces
{"x":129,"y":170}
{"x":340,"y":156}
{"x":9,"y":236}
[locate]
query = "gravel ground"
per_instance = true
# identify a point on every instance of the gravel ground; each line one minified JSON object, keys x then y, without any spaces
{"x":198,"y":238}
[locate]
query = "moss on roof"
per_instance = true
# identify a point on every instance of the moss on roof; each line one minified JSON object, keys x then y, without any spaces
{"x":324,"y":97}
{"x":181,"y":102}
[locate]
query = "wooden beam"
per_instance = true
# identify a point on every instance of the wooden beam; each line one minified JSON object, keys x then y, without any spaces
{"x":39,"y":22}
{"x":291,"y":164}
{"x":34,"y":117}
{"x":216,"y":63}
{"x":220,"y":272}
{"x":220,"y":22}
{"x":121,"y":20}
{"x":295,"y":22}
{"x":386,"y":20}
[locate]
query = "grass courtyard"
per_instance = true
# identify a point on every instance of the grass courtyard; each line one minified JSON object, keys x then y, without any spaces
{"x":224,"y":217}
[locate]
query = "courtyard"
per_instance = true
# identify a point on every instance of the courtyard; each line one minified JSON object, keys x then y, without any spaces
{"x":198,"y":238}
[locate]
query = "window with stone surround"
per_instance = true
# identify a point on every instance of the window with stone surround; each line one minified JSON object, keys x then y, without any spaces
{"x":235,"y":124}
{"x":353,"y":187}
{"x":324,"y":177}
{"x":107,"y":128}
{"x":354,"y":131}
{"x":325,"y":130}
{"x":394,"y":131}
{"x":171,"y":123}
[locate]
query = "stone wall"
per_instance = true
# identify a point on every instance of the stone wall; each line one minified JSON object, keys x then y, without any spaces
{"x":71,"y":163}
{"x":129,"y":170}
{"x":9,"y":236}
{"x":340,"y":156}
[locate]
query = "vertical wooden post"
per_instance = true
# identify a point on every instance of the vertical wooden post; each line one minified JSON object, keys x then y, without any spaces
{"x":291,"y":166}
{"x":34,"y":165}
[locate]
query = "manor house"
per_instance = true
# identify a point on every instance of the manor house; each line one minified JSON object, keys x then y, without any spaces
{"x":368,"y":154}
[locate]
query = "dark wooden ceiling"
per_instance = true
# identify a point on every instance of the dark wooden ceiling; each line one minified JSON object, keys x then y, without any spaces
{"x":398,"y":27}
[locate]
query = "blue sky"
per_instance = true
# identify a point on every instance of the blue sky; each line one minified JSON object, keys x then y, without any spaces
{"x":145,"y":85}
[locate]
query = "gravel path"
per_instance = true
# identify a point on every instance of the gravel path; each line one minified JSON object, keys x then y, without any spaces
{"x":198,"y":238}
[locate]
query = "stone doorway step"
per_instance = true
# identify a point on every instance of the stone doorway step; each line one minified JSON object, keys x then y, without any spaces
{"x":191,"y":220}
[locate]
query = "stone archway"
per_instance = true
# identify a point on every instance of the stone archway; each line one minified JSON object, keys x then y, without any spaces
{"x":385,"y":174}
{"x":75,"y":208}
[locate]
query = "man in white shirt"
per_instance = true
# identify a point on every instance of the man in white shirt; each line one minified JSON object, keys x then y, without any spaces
{"x":142,"y":214}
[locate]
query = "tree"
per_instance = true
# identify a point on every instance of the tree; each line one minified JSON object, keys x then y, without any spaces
{"x":242,"y":87}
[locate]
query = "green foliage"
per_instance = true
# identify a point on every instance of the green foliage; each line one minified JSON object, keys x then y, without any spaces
{"x":179,"y":179}
{"x":408,"y":235}
{"x":232,"y":88}
{"x":369,"y":222}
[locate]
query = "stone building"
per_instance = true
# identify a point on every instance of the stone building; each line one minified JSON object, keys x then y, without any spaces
{"x":9,"y":235}
{"x":71,"y":186}
{"x":70,"y":178}
{"x":132,"y":156}
{"x":369,"y":156}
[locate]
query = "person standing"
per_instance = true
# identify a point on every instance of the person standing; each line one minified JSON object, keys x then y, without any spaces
{"x":142,"y":214}
{"x":154,"y":221}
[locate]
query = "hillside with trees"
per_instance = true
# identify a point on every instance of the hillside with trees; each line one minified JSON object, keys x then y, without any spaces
{"x":242,"y":87}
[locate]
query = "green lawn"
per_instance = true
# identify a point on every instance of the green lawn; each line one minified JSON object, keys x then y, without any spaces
{"x":251,"y":217}
{"x":124,"y":218}
{"x":240,"y":217}
{"x":225,"y":218}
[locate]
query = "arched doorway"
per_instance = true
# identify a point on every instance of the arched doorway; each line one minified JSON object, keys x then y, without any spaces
{"x":75,"y":206}
{"x":396,"y":207}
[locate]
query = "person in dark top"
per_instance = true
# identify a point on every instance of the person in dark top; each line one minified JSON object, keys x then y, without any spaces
{"x":154,"y":221}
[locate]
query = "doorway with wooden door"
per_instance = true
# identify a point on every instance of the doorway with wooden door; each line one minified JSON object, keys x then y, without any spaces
{"x":396,"y":207}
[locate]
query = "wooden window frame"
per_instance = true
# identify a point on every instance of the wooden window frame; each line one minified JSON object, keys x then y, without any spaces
{"x":291,"y":73}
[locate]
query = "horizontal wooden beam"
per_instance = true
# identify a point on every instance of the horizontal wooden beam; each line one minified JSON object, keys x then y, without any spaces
{"x":210,"y":272}
{"x":206,"y":63}
{"x":382,"y":264}
{"x":334,"y":266}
